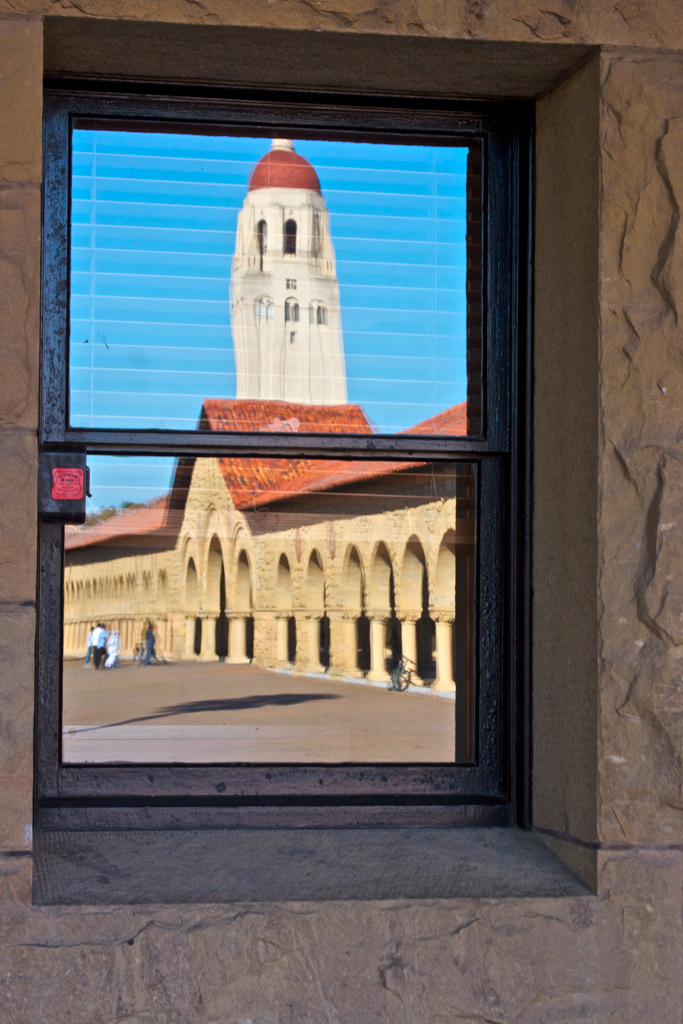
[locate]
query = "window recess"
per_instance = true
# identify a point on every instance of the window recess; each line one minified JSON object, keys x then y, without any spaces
{"x":302,"y":564}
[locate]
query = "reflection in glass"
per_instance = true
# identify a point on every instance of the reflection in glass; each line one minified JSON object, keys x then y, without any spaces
{"x":251,"y":610}
{"x":185,"y":249}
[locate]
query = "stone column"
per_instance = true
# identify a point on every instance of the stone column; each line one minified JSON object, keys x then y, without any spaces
{"x":281,"y":639}
{"x":208,"y":651}
{"x":237,"y":640}
{"x":189,"y":638}
{"x":444,"y":652}
{"x":378,"y":647}
{"x":409,"y":643}
{"x":312,"y":663}
{"x":344,"y":643}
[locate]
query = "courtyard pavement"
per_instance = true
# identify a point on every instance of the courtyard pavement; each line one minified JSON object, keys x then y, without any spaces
{"x":199,"y":712}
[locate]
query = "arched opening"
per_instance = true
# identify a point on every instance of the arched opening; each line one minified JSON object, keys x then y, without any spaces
{"x":352,"y":585}
{"x":381,"y":599}
{"x":352,"y":596}
{"x":262,"y":239}
{"x":283,"y":585}
{"x":214,"y":565}
{"x":363,"y":639}
{"x":289,"y":244}
{"x":315,"y":602}
{"x":315,"y":584}
{"x":215,"y":594}
{"x":444,"y":597}
{"x":222,"y":621}
{"x":444,"y":577}
{"x":243,"y":602}
{"x":192,"y":608}
{"x":291,"y":311}
{"x":413,"y":602}
{"x":291,"y":639}
{"x":325,"y":641}
{"x":322,"y":314}
{"x":285,"y":641}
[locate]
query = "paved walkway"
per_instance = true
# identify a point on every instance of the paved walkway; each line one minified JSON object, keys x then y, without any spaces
{"x":197,"y":712}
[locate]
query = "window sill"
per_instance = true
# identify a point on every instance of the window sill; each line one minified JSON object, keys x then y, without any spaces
{"x":255,"y":865}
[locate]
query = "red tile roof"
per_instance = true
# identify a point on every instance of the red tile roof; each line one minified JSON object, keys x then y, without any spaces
{"x":255,"y":482}
{"x":270,"y":416}
{"x":155,"y":517}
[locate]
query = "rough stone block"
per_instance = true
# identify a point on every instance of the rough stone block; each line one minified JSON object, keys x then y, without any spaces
{"x":16,"y":812}
{"x":17,"y":639}
{"x":641,"y":479}
{"x":21,"y":100}
{"x":18,"y":524}
{"x":19,"y":303}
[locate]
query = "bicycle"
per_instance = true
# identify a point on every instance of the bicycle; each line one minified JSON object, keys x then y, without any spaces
{"x":401,"y":675}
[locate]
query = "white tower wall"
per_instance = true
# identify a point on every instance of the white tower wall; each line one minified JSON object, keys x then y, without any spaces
{"x":295,"y":360}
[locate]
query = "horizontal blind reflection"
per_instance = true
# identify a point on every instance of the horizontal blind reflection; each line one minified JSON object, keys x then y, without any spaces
{"x":154,"y":222}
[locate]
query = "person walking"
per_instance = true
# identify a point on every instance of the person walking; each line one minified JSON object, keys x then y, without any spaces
{"x":89,"y":646}
{"x":99,"y":640}
{"x":149,"y":640}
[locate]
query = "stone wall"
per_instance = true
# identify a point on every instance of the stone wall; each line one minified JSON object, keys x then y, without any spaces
{"x":613,"y":807}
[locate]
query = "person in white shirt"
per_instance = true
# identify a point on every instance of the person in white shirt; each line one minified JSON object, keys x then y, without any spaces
{"x":99,"y":642}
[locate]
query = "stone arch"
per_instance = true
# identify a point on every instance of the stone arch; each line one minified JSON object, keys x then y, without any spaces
{"x":315,"y":582}
{"x":212,"y":575}
{"x":443,"y":591}
{"x":243,"y":587}
{"x":285,"y":621}
{"x":413,"y":573}
{"x":352,"y":580}
{"x":283,"y":584}
{"x":380,"y":580}
{"x":241,"y":633}
{"x":193,"y":643}
{"x":319,"y":623}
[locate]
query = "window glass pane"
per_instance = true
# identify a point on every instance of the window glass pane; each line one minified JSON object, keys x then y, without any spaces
{"x":184,"y":249}
{"x":252,"y":611}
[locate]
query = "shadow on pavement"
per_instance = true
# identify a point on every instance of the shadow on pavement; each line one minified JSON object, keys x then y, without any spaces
{"x":228,"y":704}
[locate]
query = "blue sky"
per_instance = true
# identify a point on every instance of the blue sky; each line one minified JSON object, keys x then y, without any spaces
{"x":153,"y":234}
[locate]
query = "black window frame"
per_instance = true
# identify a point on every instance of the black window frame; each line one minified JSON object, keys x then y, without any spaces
{"x":494,"y":788}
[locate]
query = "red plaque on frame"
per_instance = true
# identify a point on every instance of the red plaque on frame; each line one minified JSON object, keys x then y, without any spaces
{"x":68,"y":484}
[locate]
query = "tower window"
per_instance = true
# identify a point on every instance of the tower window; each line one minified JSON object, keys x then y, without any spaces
{"x":291,"y":311}
{"x":322,"y":314}
{"x":260,"y":309}
{"x":262,"y":236}
{"x":292,"y":337}
{"x":270,"y":311}
{"x":289,"y":247}
{"x":291,"y":284}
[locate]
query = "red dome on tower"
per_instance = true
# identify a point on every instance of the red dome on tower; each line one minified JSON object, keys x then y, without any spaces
{"x":283,"y":168}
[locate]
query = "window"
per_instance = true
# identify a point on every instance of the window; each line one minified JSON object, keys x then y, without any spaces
{"x":289,"y":243}
{"x":319,"y":535}
{"x":262,"y":240}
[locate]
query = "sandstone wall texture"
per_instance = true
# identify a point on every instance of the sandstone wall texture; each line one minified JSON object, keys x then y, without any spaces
{"x":613,"y":957}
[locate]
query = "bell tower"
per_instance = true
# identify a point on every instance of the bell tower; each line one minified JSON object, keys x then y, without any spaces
{"x":284,"y":293}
